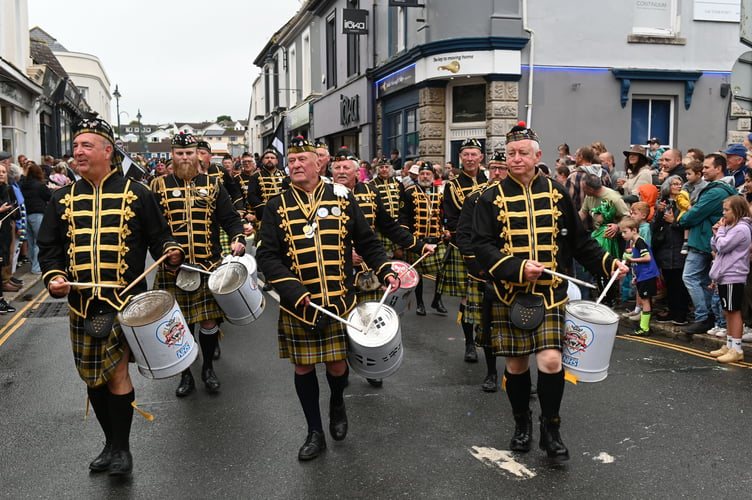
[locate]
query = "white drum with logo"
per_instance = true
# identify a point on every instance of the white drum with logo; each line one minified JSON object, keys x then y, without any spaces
{"x":237,"y":293}
{"x":247,"y":260}
{"x":157,"y":334}
{"x":402,"y":299}
{"x":377,"y":352}
{"x":590,"y":331}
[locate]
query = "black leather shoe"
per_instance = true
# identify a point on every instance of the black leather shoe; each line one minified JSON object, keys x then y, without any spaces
{"x":16,"y":281}
{"x":314,"y":444}
{"x":438,"y":305}
{"x":102,"y":462}
{"x":121,"y":464}
{"x":523,"y":432}
{"x":420,"y":310}
{"x":471,"y":353}
{"x":376,"y":382}
{"x":210,"y":380}
{"x":338,"y":422}
{"x":217,"y":352}
{"x":491,"y":383}
{"x":699,"y":327}
{"x":550,"y":439}
{"x":187,"y":385}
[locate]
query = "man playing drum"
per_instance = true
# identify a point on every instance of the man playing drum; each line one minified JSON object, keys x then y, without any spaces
{"x":522,"y":225}
{"x":307,"y":239}
{"x":345,"y":172}
{"x":453,"y":274}
{"x":97,"y":230}
{"x":390,"y":191}
{"x":196,"y":206}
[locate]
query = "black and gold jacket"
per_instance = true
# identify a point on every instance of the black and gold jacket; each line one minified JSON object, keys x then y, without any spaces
{"x":455,"y":192}
{"x":514,"y":223}
{"x":264,"y":185}
{"x":420,"y":212}
{"x":100,"y":234}
{"x":228,"y":181}
{"x":390,"y":191}
{"x":306,"y":248}
{"x":195,"y":211}
{"x":464,"y":234}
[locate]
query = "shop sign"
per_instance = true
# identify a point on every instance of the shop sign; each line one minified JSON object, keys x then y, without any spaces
{"x":354,"y":21}
{"x":349,"y":109}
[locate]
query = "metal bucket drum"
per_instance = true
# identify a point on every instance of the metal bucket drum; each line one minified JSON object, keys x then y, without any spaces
{"x":590,"y":330}
{"x":237,"y":293}
{"x":401,"y":300}
{"x":157,"y":334}
{"x":247,"y":260}
{"x":573,"y":291}
{"x":188,"y":280}
{"x":376,"y":353}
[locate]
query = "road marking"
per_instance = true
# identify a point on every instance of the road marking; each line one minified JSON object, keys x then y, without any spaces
{"x":604,"y":457}
{"x":17,"y":319}
{"x":502,"y":459}
{"x":685,"y":349}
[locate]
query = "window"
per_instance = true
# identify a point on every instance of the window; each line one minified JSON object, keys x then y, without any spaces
{"x":275,"y":79}
{"x":394,"y":138}
{"x":655,"y":17}
{"x":293,"y":72}
{"x":652,"y":117}
{"x":403,"y":133}
{"x":267,"y":92}
{"x":469,"y":103}
{"x":305,"y":66}
{"x":397,"y":31}
{"x":331,"y":51}
{"x":353,"y":55}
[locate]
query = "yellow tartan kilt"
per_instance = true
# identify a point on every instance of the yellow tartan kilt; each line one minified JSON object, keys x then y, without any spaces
{"x":196,"y":306}
{"x":430,"y":265}
{"x":512,"y":342}
{"x":305,"y":347}
{"x":96,"y":359}
{"x":453,"y":275}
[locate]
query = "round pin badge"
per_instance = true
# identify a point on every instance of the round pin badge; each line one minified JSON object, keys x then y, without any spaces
{"x":322,"y":212}
{"x":336,"y":211}
{"x":203,"y":192}
{"x":176,"y":193}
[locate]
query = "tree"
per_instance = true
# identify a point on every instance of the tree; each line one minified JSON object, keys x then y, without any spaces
{"x":224,"y":118}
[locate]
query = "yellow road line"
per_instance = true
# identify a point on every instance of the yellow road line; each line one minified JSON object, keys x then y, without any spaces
{"x":687,"y":350}
{"x":17,"y":319}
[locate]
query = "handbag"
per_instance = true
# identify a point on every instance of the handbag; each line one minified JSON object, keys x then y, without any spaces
{"x":527,"y":311}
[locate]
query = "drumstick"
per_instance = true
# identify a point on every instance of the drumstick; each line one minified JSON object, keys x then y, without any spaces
{"x":378,"y":309}
{"x":89,"y":285}
{"x":196,"y":269}
{"x":143,"y":275}
{"x":1,"y":220}
{"x":332,"y":315}
{"x":411,"y":266}
{"x":610,"y":282}
{"x":573,"y":280}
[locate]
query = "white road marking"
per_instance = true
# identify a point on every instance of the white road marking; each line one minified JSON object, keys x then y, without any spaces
{"x":502,"y":459}
{"x":604,"y":457}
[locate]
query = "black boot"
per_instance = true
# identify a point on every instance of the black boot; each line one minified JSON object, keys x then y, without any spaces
{"x":337,"y":421}
{"x":471,"y":353}
{"x":550,"y":439}
{"x":187,"y":384}
{"x":99,"y":397}
{"x":491,"y":383}
{"x":211,"y":382}
{"x":437,"y":304}
{"x":314,"y":444}
{"x":523,"y":431}
{"x":121,"y":415}
{"x":420,"y":309}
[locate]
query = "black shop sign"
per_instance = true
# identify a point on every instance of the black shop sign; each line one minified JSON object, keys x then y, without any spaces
{"x":354,"y":21}
{"x":349,"y":109}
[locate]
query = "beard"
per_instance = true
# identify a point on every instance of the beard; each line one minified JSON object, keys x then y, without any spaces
{"x":187,"y":169}
{"x":425,"y":184}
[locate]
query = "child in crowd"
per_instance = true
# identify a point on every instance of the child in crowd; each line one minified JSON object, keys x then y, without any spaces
{"x":639,"y":212}
{"x":645,"y":271}
{"x":58,"y":176}
{"x":655,"y":151}
{"x":603,"y":215}
{"x":732,"y":236}
{"x":689,"y":193}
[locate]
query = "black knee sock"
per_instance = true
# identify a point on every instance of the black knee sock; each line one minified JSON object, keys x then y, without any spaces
{"x":518,"y":391}
{"x":208,"y":338}
{"x":99,"y":397}
{"x":550,"y":392}
{"x":307,"y":387}
{"x":337,"y":386}
{"x":419,"y":291}
{"x":490,"y":361}
{"x":121,"y":416}
{"x":469,"y":331}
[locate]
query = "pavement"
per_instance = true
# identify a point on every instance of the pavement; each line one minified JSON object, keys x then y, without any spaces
{"x":23,"y":272}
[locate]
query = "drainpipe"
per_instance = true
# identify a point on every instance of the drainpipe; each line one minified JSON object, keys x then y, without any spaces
{"x":531,"y":58}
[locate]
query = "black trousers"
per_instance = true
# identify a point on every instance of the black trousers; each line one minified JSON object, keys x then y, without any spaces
{"x":677,"y":295}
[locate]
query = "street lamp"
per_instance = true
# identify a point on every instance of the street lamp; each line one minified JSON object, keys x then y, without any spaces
{"x":140,"y":132}
{"x":117,"y":95}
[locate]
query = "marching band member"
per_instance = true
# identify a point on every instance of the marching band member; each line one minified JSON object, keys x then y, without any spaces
{"x":196,"y":205}
{"x":307,"y":237}
{"x":390,"y":191}
{"x":97,"y":230}
{"x":522,"y":225}
{"x":453,"y":274}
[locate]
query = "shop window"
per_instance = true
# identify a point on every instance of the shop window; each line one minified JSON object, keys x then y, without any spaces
{"x":655,"y":18}
{"x":331,"y":51}
{"x":397,"y":31}
{"x":469,"y":103}
{"x":403,"y":133}
{"x":651,"y":117}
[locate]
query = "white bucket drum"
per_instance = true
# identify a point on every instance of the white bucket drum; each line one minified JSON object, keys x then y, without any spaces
{"x":590,"y":331}
{"x":237,"y":293}
{"x":247,"y":260}
{"x":157,"y":334}
{"x":402,"y":299}
{"x":376,"y":353}
{"x":573,"y":291}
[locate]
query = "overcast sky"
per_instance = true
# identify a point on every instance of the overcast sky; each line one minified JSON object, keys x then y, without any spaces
{"x":185,"y":60}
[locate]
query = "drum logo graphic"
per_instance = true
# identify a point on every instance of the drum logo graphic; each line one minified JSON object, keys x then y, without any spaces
{"x":577,"y":338}
{"x":172,"y":333}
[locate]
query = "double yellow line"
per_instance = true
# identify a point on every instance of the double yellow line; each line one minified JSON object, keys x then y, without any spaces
{"x":680,"y":348}
{"x":19,"y":318}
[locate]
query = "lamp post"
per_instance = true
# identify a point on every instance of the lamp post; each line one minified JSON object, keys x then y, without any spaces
{"x":117,"y":95}
{"x":140,"y":133}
